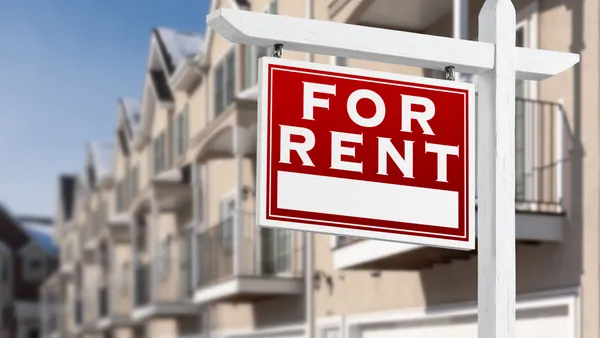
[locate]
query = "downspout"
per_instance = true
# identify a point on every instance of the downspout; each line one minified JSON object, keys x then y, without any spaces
{"x":309,"y":257}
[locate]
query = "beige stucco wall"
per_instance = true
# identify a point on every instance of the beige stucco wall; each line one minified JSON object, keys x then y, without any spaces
{"x":121,"y":298}
{"x":123,"y":333}
{"x":90,"y":293}
{"x":161,"y":327}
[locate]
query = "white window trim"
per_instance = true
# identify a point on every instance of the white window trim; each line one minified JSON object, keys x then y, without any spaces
{"x":223,"y":63}
{"x":330,"y":323}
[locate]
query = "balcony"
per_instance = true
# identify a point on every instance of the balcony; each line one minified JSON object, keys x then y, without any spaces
{"x":119,"y":226}
{"x":262,"y":263}
{"x":542,"y":139}
{"x":157,"y":300}
{"x":172,"y":189}
{"x":408,"y":15}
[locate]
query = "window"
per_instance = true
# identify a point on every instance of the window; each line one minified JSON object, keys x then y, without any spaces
{"x":180,"y":133}
{"x":224,"y":81}
{"x":34,"y":269}
{"x":229,"y":78}
{"x":184,"y":130}
{"x":218,"y":87}
{"x":124,"y":278}
{"x":123,"y":143}
{"x":434,"y":73}
{"x":272,"y":9}
{"x":134,"y":181}
{"x":252,"y":55}
{"x":140,"y":239}
{"x":91,"y":173}
{"x":340,"y":61}
{"x":159,"y":153}
{"x":276,"y":251}
{"x":120,"y":203}
{"x":227,"y":209}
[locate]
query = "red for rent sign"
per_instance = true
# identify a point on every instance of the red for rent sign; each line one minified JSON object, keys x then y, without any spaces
{"x":367,"y":154}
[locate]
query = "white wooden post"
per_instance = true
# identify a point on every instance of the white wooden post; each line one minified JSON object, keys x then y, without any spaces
{"x":460,"y":26}
{"x":497,"y":62}
{"x":496,"y":174}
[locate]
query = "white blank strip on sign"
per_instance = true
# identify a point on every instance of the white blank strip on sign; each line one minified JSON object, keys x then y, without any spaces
{"x":354,"y":198}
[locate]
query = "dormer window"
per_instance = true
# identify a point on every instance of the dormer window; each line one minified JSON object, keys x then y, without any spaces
{"x":91,"y":174}
{"x":123,"y":142}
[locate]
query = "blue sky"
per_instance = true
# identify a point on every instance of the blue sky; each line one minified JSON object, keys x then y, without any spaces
{"x":63,"y":63}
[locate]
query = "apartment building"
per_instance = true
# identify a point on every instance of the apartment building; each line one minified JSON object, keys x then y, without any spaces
{"x":159,"y":235}
{"x":27,"y":257}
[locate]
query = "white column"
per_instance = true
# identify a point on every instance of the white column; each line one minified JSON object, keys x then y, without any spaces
{"x":460,"y":27}
{"x":238,"y":225}
{"x":560,"y":156}
{"x":496,"y":174}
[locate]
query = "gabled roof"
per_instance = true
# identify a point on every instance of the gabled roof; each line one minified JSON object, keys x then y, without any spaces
{"x":101,"y":158}
{"x":41,"y":232}
{"x":67,"y":185}
{"x":18,"y":232}
{"x":203,"y":53}
{"x":177,"y":46}
{"x":130,"y":108}
{"x":169,"y":49}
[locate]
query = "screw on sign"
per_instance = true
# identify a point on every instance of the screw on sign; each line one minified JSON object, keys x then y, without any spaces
{"x":367,"y":154}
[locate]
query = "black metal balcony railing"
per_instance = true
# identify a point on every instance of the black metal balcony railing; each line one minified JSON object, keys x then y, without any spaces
{"x":540,"y":154}
{"x":143,"y":278}
{"x":272,"y":252}
{"x":542,"y":140}
{"x":103,"y":300}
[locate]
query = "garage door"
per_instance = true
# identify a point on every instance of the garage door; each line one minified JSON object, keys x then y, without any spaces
{"x":549,"y":322}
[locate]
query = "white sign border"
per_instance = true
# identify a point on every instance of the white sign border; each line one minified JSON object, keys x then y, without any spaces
{"x":262,"y":149}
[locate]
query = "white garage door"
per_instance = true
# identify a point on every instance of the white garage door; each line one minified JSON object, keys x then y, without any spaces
{"x":549,"y":322}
